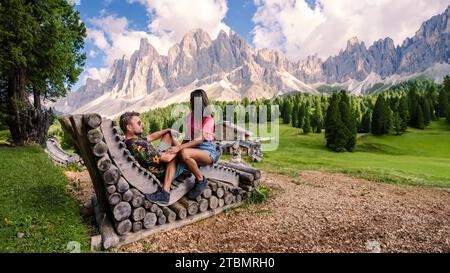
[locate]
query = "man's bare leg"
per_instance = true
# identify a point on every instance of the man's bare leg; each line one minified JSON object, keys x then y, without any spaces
{"x":169,"y":174}
{"x":167,"y":138}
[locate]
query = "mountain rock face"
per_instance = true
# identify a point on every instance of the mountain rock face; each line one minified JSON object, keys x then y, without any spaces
{"x":229,"y":69}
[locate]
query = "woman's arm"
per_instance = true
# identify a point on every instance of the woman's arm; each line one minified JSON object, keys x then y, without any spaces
{"x":189,"y":144}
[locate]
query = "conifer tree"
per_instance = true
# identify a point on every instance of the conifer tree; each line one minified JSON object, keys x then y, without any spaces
{"x":306,"y":119}
{"x":348,"y":121}
{"x":404,"y":113}
{"x":366,"y":123}
{"x":420,"y":120}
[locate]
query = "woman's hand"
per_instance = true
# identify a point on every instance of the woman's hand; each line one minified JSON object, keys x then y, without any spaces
{"x":174,"y":149}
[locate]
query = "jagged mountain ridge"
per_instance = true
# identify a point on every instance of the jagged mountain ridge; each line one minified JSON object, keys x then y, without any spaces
{"x":229,"y":69}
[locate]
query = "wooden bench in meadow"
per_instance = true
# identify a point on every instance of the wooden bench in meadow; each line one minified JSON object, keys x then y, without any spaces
{"x":121,"y":210}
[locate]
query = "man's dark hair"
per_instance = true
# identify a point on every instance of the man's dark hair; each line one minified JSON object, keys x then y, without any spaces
{"x":125,"y":119}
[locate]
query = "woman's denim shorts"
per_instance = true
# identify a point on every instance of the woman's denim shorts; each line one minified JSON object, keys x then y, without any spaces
{"x":211,"y":148}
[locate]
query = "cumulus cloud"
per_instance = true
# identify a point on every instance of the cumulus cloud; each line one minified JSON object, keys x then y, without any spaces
{"x":172,"y":19}
{"x":291,"y":25}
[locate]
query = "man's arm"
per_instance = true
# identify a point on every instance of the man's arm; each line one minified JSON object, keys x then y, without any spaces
{"x":157,"y":135}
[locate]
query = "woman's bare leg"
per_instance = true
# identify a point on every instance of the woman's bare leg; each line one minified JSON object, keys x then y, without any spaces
{"x":193,"y":158}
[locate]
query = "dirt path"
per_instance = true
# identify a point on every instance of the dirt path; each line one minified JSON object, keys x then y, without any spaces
{"x":320,"y":212}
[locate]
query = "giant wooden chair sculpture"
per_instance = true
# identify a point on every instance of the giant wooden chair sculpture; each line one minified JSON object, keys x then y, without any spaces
{"x":122,"y":213}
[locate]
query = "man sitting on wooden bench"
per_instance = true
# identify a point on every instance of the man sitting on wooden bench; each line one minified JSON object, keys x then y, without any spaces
{"x":156,"y":159}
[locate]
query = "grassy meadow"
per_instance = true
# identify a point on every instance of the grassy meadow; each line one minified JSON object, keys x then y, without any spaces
{"x":418,"y":157}
{"x":37,"y":213}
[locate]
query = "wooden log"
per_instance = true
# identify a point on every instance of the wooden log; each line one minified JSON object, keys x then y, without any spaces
{"x":212,"y":185}
{"x":213,"y":202}
{"x":170,"y":215}
{"x":100,"y":149}
{"x":228,"y":198}
{"x":127,"y":196}
{"x":207,"y":192}
{"x":220,"y":192}
{"x":198,"y":198}
{"x":190,"y":205}
{"x":247,"y":188}
{"x":122,"y":211}
{"x":92,"y":120}
{"x":78,"y":131}
{"x":124,"y":227}
{"x":135,"y":236}
{"x":233,"y":200}
{"x":256,"y":173}
{"x":109,"y":235}
{"x":180,"y":211}
{"x":104,"y":163}
{"x":138,"y":214}
{"x":137,"y":226}
{"x":114,"y":199}
{"x":111,"y":189}
{"x":239,"y":198}
{"x":162,"y":219}
{"x":244,"y":177}
{"x":122,"y":185}
{"x":159,"y":211}
{"x":147,"y":205}
{"x":95,"y":135}
{"x":138,"y":198}
{"x":111,"y":176}
{"x":154,"y":207}
{"x":203,"y":205}
{"x":221,"y":202}
{"x":150,"y":220}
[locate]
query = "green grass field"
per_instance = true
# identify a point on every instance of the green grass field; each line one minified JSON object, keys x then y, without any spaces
{"x":418,"y":157}
{"x":35,"y":202}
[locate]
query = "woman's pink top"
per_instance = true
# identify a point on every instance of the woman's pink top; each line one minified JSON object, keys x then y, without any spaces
{"x":207,"y":127}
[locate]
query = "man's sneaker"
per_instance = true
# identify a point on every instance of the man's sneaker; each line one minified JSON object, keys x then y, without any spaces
{"x":198,"y":188}
{"x":160,"y":197}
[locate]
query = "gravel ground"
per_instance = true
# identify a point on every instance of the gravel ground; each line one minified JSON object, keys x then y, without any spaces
{"x":320,"y":212}
{"x":316,"y":212}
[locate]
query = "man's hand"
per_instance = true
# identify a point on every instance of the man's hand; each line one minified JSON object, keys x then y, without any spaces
{"x":174,"y":149}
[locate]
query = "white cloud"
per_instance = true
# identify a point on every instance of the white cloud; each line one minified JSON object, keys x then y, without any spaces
{"x":92,"y":53}
{"x":95,"y":73}
{"x":172,"y":19}
{"x":292,"y":26}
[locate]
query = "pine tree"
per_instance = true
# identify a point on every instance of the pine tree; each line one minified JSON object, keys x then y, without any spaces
{"x":318,"y":117}
{"x":287,"y":112}
{"x":404,"y":113}
{"x":301,"y":115}
{"x":448,"y":115}
{"x":397,"y":123}
{"x":306,"y":119}
{"x":379,"y":116}
{"x":442,"y":103}
{"x":348,"y":121}
{"x":366,"y":123}
{"x":294,"y":117}
{"x":334,"y":128}
{"x":420,"y":120}
{"x":426,"y":111}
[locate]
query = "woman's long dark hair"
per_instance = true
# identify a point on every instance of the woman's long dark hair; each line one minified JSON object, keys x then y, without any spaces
{"x":200,"y":93}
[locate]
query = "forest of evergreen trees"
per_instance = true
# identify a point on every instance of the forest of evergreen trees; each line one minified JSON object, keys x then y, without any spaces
{"x":414,"y":103}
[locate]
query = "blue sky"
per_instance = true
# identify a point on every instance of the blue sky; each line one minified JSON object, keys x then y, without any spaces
{"x":297,"y":27}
